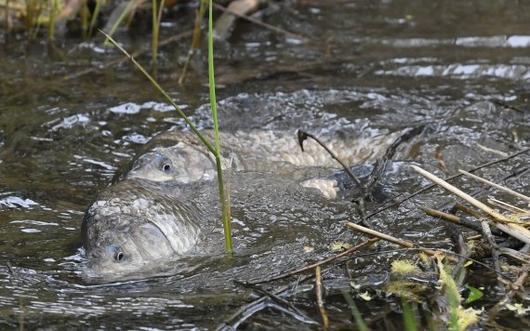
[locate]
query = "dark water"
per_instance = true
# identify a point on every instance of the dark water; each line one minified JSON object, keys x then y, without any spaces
{"x":370,"y":67}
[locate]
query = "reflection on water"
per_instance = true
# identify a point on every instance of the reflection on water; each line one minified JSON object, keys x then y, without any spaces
{"x":490,"y":41}
{"x":462,"y":71}
{"x":371,"y":68}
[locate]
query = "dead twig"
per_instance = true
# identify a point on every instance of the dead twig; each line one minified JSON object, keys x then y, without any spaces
{"x":508,"y":207}
{"x":486,"y":232}
{"x":459,"y":220}
{"x":497,"y":186}
{"x":224,"y":25}
{"x":369,"y":185}
{"x":244,"y":312}
{"x":468,"y":210}
{"x":501,"y":222}
{"x":320,"y":300}
{"x":459,"y":270}
{"x":412,"y":195}
{"x":380,"y":165}
{"x":302,"y":136}
{"x":295,"y":312}
{"x":515,"y":254}
{"x":389,"y":238}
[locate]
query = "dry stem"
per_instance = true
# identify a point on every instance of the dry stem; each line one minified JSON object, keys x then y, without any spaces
{"x":320,"y":300}
{"x":514,"y":230}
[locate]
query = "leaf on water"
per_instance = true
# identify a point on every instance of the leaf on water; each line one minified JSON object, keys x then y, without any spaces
{"x":474,"y":294}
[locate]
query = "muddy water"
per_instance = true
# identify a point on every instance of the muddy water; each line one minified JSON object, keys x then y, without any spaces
{"x":371,"y":68}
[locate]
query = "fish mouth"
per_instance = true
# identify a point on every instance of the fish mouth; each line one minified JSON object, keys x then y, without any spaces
{"x":96,"y":274}
{"x":93,"y":276}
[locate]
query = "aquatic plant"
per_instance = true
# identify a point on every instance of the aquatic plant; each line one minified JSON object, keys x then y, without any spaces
{"x":359,"y":321}
{"x":409,"y":318}
{"x":54,"y":8}
{"x":156,"y":12}
{"x":223,"y":195}
{"x":94,"y":16}
{"x":195,"y":40}
{"x":459,"y":318}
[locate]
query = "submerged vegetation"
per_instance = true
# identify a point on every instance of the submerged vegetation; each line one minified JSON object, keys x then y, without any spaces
{"x":439,"y":286}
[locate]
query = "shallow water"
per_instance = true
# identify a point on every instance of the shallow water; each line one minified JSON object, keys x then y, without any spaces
{"x":368,"y":68}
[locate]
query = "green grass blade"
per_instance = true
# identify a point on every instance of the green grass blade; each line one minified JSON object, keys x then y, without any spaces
{"x":359,"y":321}
{"x":223,"y":195}
{"x":94,"y":18}
{"x":154,"y":32}
{"x":195,"y":40}
{"x":53,"y":8}
{"x":409,"y":318}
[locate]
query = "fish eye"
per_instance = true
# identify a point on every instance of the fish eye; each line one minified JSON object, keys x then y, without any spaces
{"x":166,"y":167}
{"x":119,"y":256}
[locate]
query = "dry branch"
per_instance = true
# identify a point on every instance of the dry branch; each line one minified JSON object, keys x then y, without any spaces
{"x":320,"y":300}
{"x":497,"y":186}
{"x":380,"y":235}
{"x":513,"y":230}
{"x":410,"y":196}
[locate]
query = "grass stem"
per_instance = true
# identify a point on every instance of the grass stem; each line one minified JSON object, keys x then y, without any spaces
{"x":223,"y":195}
{"x":54,"y":7}
{"x":155,"y":31}
{"x":94,"y":17}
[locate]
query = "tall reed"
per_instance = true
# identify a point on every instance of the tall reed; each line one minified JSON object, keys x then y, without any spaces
{"x":53,"y":8}
{"x":156,"y":12}
{"x":94,"y":17}
{"x":84,"y":15}
{"x":223,"y":194}
{"x":31,"y":20}
{"x":195,"y":40}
